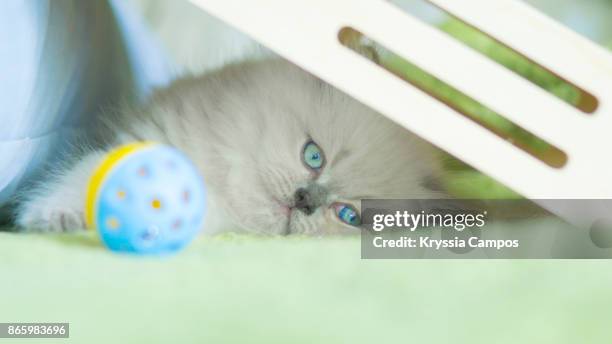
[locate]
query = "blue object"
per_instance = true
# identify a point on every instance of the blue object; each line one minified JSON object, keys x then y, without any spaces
{"x":151,"y":68}
{"x":147,"y":199}
{"x":62,"y":61}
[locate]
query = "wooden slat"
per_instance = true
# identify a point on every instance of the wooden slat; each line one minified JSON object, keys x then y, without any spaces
{"x":540,"y":38}
{"x":305,"y":32}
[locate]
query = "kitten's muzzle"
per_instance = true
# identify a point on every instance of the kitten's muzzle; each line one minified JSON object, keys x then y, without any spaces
{"x":308,"y":199}
{"x":303,"y":201}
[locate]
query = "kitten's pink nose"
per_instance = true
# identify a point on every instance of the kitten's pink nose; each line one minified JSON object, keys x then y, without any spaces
{"x":285,"y":210}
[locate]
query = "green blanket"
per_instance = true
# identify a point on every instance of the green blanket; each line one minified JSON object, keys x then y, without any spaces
{"x":237,"y":289}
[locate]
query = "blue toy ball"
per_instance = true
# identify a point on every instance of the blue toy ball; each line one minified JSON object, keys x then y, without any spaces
{"x":146,"y":198}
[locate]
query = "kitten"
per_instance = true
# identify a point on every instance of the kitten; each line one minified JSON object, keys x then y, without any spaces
{"x":281,"y":152}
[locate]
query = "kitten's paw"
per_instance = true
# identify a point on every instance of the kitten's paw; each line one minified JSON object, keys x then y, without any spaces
{"x":36,"y":217}
{"x":57,"y":205}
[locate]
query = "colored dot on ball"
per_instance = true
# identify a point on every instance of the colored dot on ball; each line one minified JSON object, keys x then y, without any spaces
{"x":150,"y":233}
{"x":156,"y":204}
{"x":186,"y":196}
{"x":143,"y":171}
{"x":177,"y":224}
{"x":121,"y":194}
{"x":112,"y":222}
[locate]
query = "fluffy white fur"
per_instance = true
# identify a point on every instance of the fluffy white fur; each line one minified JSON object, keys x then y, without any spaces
{"x":245,"y":127}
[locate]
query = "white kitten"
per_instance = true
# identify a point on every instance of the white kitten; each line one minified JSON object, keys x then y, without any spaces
{"x":281,"y":152}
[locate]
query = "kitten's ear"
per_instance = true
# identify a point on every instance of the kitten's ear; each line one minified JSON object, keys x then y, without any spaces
{"x":357,"y":42}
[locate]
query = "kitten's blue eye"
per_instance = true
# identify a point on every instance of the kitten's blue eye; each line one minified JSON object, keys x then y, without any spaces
{"x":347,"y":214}
{"x":313,"y":156}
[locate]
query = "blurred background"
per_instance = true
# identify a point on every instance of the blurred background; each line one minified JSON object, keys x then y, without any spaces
{"x":206,"y":42}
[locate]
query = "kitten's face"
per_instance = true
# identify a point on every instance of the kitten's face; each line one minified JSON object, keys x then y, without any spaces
{"x":299,"y":155}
